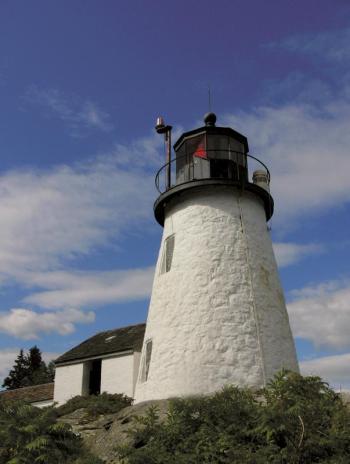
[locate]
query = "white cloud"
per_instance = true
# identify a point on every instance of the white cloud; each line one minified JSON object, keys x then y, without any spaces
{"x":333,"y":45}
{"x":49,"y":217}
{"x":290,"y":253}
{"x":94,"y":117}
{"x":78,"y":115}
{"x":304,"y":140}
{"x":297,"y":87}
{"x":81,"y":289}
{"x":333,"y":369}
{"x":27,"y":324}
{"x":8,"y":356}
{"x":306,"y":149}
{"x":321,"y":314}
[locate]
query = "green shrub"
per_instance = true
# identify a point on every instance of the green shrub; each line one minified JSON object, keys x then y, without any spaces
{"x":29,"y":434}
{"x":94,"y":405}
{"x":293,"y":420}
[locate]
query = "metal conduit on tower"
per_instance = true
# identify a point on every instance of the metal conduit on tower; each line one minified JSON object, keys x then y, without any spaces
{"x":217,"y":313}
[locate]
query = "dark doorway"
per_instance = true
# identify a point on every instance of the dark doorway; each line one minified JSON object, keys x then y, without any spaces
{"x":95,"y":377}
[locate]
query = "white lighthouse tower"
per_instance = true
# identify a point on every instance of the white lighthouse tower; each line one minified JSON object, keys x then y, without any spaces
{"x":217,"y":313}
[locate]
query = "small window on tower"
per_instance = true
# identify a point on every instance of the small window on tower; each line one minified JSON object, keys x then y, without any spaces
{"x":146,"y":361}
{"x":168,"y":252}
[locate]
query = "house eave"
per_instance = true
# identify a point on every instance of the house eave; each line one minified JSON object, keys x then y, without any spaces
{"x":91,"y":358}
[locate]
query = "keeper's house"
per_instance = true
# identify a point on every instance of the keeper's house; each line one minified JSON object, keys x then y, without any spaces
{"x":107,"y":362}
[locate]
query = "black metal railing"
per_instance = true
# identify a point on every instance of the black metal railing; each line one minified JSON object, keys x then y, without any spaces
{"x":189,"y":167}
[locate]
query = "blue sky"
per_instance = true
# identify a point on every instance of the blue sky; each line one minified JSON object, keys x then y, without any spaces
{"x":81,"y":84}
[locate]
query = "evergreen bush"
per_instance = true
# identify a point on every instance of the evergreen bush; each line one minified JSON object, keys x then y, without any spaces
{"x":31,"y":435}
{"x":294,"y":420}
{"x":29,"y":369}
{"x":105,"y":403}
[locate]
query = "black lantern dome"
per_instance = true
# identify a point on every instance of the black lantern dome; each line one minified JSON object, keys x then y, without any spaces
{"x":209,"y":155}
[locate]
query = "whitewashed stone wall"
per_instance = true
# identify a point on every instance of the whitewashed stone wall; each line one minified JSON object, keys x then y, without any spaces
{"x":218,"y":316}
{"x":68,"y":382}
{"x":137,"y":359}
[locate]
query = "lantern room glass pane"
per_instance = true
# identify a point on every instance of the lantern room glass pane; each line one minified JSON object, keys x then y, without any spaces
{"x":218,"y":146}
{"x":192,"y":148}
{"x":196,"y":145}
{"x":181,"y":164}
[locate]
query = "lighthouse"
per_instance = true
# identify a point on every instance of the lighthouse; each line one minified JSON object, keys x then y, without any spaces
{"x":217,"y":313}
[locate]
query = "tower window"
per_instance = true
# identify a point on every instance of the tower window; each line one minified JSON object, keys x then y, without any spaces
{"x":168,"y":252}
{"x":146,"y":361}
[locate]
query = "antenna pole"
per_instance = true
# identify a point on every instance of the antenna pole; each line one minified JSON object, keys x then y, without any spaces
{"x":161,"y":128}
{"x":209,"y":98}
{"x":168,"y":157}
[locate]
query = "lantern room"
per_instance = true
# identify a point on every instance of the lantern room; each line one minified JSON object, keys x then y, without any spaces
{"x":211,"y":152}
{"x":206,"y":157}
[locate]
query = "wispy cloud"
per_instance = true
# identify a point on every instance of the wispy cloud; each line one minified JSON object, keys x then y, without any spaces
{"x":321,"y":314}
{"x":291,"y":253}
{"x":94,"y":117}
{"x":82,"y":289}
{"x":51,"y":217}
{"x":333,"y":45}
{"x":141,"y":154}
{"x":298,"y":87}
{"x":68,"y":296}
{"x":333,"y":369}
{"x":304,"y":136}
{"x":307,"y":149}
{"x":78,"y":115}
{"x":27,"y":324}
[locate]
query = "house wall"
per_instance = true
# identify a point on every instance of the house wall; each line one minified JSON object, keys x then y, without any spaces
{"x":117,"y":375}
{"x":68,"y":382}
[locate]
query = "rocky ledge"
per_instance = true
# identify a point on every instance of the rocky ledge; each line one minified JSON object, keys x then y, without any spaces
{"x":103,"y":433}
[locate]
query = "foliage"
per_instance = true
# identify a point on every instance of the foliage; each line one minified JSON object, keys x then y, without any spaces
{"x":104,"y":403}
{"x":29,"y":434}
{"x":17,"y":374}
{"x":28,"y":370}
{"x":293,"y":420}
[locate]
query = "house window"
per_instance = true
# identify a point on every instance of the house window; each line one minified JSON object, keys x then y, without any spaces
{"x":146,"y":361}
{"x":168,"y":252}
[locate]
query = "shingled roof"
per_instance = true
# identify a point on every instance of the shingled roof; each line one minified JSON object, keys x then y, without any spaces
{"x":31,"y":394}
{"x":111,"y":341}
